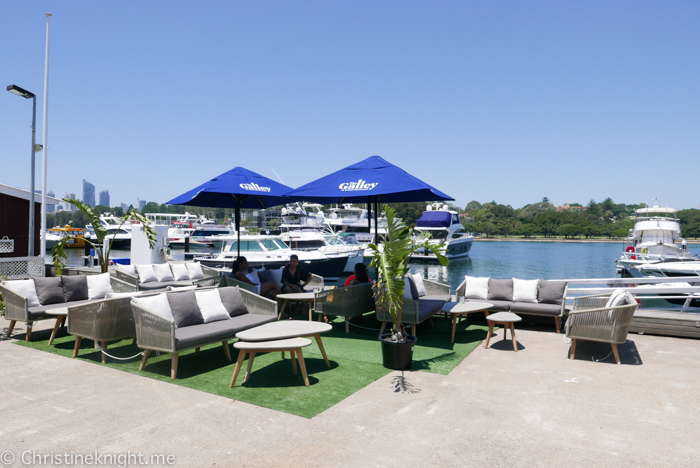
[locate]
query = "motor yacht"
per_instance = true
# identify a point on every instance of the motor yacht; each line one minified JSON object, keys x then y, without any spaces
{"x":119,"y":233}
{"x":445,"y":229}
{"x":654,"y":240}
{"x":351,"y":219}
{"x":272,"y":252}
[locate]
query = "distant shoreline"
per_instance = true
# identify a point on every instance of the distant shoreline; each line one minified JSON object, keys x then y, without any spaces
{"x":565,"y":241}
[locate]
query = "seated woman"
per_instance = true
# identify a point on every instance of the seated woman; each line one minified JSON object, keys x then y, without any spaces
{"x":295,"y":276}
{"x":359,"y":275}
{"x":268,"y":289}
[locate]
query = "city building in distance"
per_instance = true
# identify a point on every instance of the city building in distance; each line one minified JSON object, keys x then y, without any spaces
{"x":104,"y":198}
{"x":88,"y":193}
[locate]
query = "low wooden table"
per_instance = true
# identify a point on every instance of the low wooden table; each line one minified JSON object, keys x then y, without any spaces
{"x":61,"y":314}
{"x":293,"y":345}
{"x":288,"y":329}
{"x":459,"y":309}
{"x":307,"y":297}
{"x":507,"y":319}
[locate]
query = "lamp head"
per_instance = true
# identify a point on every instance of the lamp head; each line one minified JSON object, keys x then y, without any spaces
{"x":14,"y":89}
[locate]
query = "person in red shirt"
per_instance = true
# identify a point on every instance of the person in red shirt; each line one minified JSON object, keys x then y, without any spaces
{"x":360,"y":275}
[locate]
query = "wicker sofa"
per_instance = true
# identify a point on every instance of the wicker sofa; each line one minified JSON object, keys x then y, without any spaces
{"x":550,"y":298}
{"x":421,"y":307}
{"x":129,"y":274}
{"x":230,"y":280}
{"x":345,"y":302}
{"x":184,"y":328}
{"x":29,"y":308}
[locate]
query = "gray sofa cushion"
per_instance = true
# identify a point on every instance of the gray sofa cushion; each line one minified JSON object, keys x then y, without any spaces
{"x":233,"y":301}
{"x":184,"y":308}
{"x":162,"y":284}
{"x":75,"y":288}
{"x":414,"y":288}
{"x":535,"y":309}
{"x":199,"y":335}
{"x":427,"y":309}
{"x":436,"y":297}
{"x":500,"y":290}
{"x":265,"y":276}
{"x":49,"y":290}
{"x":551,"y":292}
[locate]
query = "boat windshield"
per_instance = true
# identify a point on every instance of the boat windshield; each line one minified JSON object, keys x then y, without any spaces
{"x":333,"y":241}
{"x":273,"y":244}
{"x":246,"y":246}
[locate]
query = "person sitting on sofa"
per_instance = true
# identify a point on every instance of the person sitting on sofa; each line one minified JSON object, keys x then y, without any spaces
{"x":268,"y":289}
{"x":295,"y":276}
{"x":359,"y":275}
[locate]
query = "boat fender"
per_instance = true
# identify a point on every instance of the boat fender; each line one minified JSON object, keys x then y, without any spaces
{"x":631,"y":249}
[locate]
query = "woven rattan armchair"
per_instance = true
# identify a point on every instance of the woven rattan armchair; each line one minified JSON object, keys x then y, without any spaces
{"x":17,"y":308}
{"x":155,"y":333}
{"x":346,"y":302}
{"x":591,"y":320}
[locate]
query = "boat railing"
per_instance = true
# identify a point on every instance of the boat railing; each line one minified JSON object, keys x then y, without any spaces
{"x":641,"y":288}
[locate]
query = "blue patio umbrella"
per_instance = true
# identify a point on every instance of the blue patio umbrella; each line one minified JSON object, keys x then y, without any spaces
{"x":369,"y":181}
{"x":237,"y":188}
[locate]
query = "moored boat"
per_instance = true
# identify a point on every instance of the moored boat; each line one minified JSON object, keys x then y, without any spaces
{"x":445,"y":229}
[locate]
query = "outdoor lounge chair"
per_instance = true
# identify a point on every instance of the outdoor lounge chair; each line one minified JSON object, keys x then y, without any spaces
{"x":346,"y":302}
{"x":592,"y":319}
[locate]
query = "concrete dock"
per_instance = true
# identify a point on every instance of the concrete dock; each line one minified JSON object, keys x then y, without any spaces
{"x":496,"y":408}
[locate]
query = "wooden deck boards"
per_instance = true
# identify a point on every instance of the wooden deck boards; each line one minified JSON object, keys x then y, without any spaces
{"x":666,"y":322}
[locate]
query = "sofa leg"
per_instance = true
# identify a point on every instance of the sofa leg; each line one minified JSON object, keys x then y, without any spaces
{"x":617,"y":356}
{"x":12,"y":327}
{"x":556,"y":322}
{"x":144,"y":359}
{"x":196,"y":351}
{"x":414,"y":330}
{"x":173,"y":366}
{"x":227,"y":351}
{"x":76,"y":347}
{"x":104,"y":348}
{"x":573,"y":348}
{"x":28,"y":335}
{"x":381,"y":330}
{"x":347,"y":325}
{"x":431,"y":322}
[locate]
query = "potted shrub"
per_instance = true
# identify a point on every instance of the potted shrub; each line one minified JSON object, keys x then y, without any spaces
{"x":58,"y":250}
{"x":391,"y":263}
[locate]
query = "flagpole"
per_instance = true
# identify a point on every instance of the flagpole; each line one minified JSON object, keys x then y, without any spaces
{"x":44,"y":142}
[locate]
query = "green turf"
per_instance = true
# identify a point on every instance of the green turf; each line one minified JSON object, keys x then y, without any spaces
{"x":356,"y":362}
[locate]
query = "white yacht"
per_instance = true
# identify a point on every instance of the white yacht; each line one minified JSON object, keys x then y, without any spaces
{"x":655,"y":240}
{"x":444,"y":226}
{"x":271,"y":252}
{"x":120,"y":233}
{"x":351,"y":219}
{"x":198,"y":227}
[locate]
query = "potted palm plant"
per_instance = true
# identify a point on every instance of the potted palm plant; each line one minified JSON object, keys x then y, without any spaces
{"x":391,"y":263}
{"x":58,"y":250}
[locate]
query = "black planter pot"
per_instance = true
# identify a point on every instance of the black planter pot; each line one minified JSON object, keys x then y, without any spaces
{"x":397,"y":356}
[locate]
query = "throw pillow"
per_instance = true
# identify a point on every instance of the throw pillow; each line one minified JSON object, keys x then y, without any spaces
{"x":551,"y":292}
{"x":49,"y":290}
{"x":525,"y":290}
{"x":99,"y":286}
{"x":619,"y":297}
{"x":184,"y":308}
{"x":420,"y":286}
{"x":233,"y":301}
{"x":128,"y":269}
{"x":277,"y":276}
{"x":500,"y":290}
{"x":146,"y":273}
{"x":24,"y":288}
{"x":265,"y":276}
{"x":163,"y":272}
{"x":476,"y":288}
{"x":157,"y":304}
{"x":407,"y":293}
{"x":75,"y":288}
{"x":180,"y":272}
{"x":210,"y":306}
{"x":195,"y":270}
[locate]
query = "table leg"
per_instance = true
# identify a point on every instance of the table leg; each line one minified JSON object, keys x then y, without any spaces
{"x":323,"y":351}
{"x":505,"y":330}
{"x":251,"y":358}
{"x":284,"y":304}
{"x":488,"y":337}
{"x":294,"y":361}
{"x":59,"y":320}
{"x":302,"y":364}
{"x":239,"y":363}
{"x":308,"y":304}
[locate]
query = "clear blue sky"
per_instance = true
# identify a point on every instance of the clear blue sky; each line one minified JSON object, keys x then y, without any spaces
{"x":501,"y":100}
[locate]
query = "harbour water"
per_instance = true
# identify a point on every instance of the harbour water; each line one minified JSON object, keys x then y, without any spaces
{"x":524,"y":260}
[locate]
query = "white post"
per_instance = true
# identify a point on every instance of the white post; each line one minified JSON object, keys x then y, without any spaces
{"x":45,"y":140}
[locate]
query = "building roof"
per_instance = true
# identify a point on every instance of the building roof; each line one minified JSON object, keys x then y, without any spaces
{"x":24,"y":194}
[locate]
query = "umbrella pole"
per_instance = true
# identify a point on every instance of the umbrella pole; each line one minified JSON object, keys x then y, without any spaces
{"x":369,"y":216}
{"x":238,"y":225}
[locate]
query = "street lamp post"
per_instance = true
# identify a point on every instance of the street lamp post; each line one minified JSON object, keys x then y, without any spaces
{"x":27,"y":95}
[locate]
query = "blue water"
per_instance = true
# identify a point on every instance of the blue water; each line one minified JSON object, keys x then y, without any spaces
{"x":530,"y":260}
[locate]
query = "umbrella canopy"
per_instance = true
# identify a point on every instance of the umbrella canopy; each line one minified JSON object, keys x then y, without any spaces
{"x":369,"y":181}
{"x":237,"y":188}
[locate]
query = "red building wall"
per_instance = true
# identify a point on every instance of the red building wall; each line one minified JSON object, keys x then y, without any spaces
{"x":14,"y":223}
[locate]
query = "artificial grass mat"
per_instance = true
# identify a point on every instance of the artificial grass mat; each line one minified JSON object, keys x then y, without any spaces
{"x":356,"y":361}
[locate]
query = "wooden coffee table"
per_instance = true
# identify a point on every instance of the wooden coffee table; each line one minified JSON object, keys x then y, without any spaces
{"x":61,"y":314}
{"x":307,"y":297}
{"x":288,"y":329}
{"x":507,"y":319}
{"x":459,"y":309}
{"x":293,"y":345}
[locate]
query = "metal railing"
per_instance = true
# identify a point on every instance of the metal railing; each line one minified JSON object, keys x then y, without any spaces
{"x":18,"y":267}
